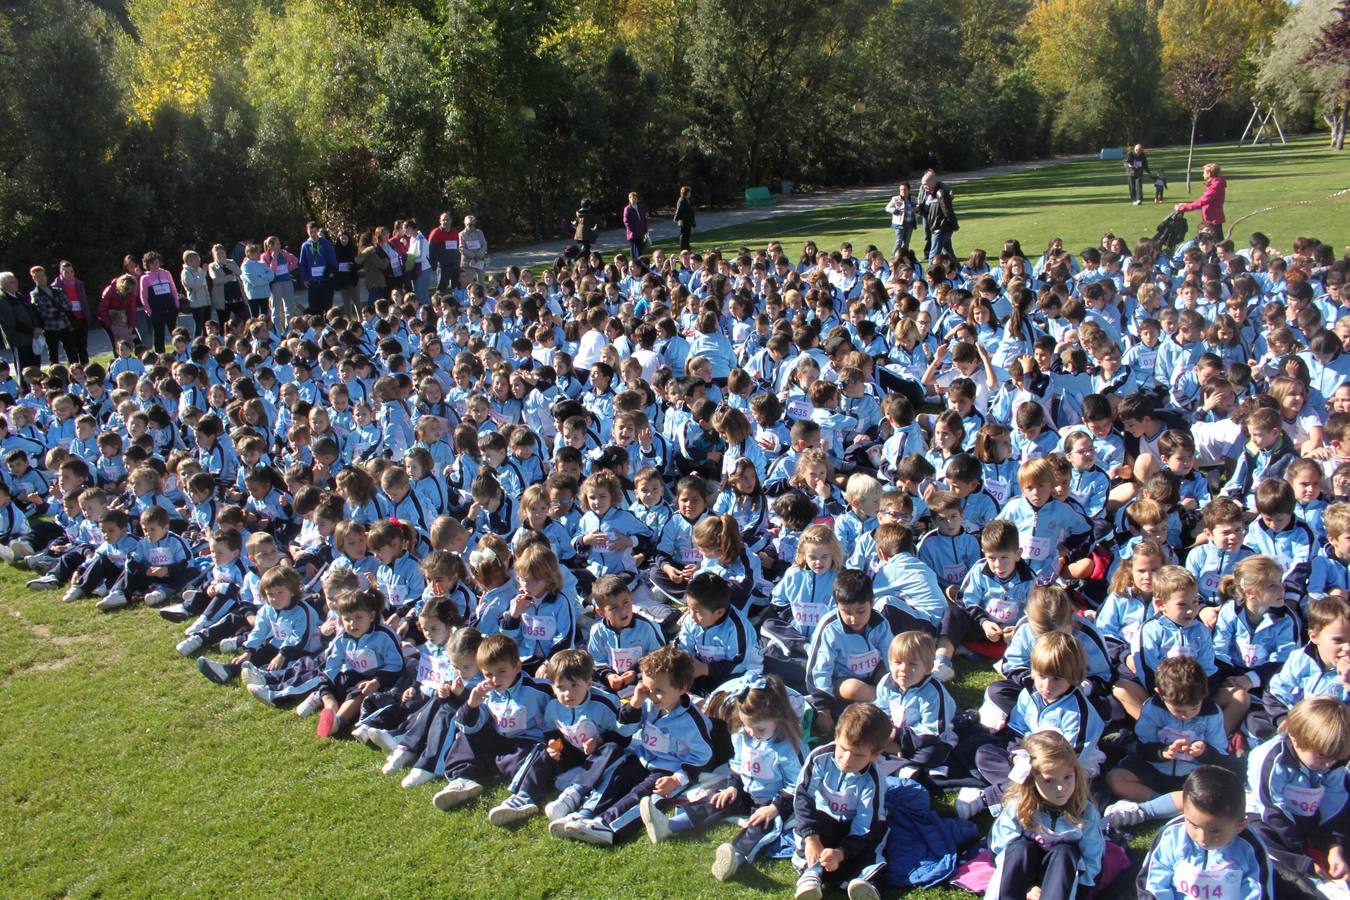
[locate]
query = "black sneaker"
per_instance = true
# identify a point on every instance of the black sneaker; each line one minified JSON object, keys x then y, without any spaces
{"x":175,"y":612}
{"x":217,"y":672}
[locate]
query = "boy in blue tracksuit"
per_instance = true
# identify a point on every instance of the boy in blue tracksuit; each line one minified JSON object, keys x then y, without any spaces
{"x":1296,"y":789}
{"x":994,"y":592}
{"x":157,"y":567}
{"x":1179,"y":730}
{"x":620,"y":639}
{"x":672,"y":747}
{"x":1225,"y":530}
{"x":583,"y":737}
{"x":499,"y":725}
{"x":949,"y":550}
{"x":716,"y":634}
{"x":1320,"y":667}
{"x":1277,"y":533}
{"x":848,"y":648}
{"x":109,"y":561}
{"x":840,"y":826}
{"x":1266,"y":455}
{"x":1044,"y":523}
{"x":920,"y":708}
{"x":225,"y":614}
{"x":1331,"y":567}
{"x":285,"y":630}
{"x":1209,"y":846}
{"x":1175,"y":631}
{"x":907,"y":591}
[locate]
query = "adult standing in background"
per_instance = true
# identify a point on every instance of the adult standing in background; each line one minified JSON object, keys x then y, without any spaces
{"x":372,"y":261}
{"x":196,"y":288}
{"x":82,"y":309}
{"x":418,"y":260}
{"x":18,"y":322}
{"x":939,"y":215}
{"x":53,"y":314}
{"x":684,"y":215}
{"x":444,"y":239}
{"x":159,"y":298}
{"x":283,"y":265}
{"x":227,"y":293}
{"x":317,"y":268}
{"x":473,"y":248}
{"x":117,"y":310}
{"x":1210,"y":203}
{"x":903,"y":217}
{"x":1136,"y":165}
{"x":344,"y":283}
{"x":635,"y":226}
{"x":586,"y":225}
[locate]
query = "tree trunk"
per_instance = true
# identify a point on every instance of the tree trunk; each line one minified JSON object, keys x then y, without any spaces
{"x":1190,"y":154}
{"x":1338,"y":133}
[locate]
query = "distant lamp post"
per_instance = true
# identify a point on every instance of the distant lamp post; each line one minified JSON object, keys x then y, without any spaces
{"x":858,"y":109}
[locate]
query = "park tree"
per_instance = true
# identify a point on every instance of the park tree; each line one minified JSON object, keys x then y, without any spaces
{"x":1200,"y":80}
{"x":1304,"y":91}
{"x":1331,"y":49}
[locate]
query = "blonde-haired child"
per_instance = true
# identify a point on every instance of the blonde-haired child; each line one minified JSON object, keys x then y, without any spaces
{"x":801,"y":597}
{"x":919,"y":706}
{"x":1049,"y":835}
{"x":1044,"y":523}
{"x":1254,"y":635}
{"x":1296,"y":789}
{"x":863,"y":494}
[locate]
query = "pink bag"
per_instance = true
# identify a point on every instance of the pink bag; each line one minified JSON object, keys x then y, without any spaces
{"x":975,"y":873}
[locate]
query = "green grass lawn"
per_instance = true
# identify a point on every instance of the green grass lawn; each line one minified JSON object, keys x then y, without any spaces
{"x":1080,"y":201}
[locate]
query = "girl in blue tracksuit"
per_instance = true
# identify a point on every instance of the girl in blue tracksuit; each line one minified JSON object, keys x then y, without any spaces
{"x":767,"y":755}
{"x":1296,"y":788}
{"x":398,"y":576}
{"x":542,"y":619}
{"x":800,"y":599}
{"x":1049,"y":833}
{"x":743,"y":496}
{"x":1253,"y":636}
{"x":606,"y":534}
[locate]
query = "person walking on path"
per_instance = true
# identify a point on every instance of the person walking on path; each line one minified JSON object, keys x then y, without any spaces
{"x":901,"y":209}
{"x":939,"y":214}
{"x":684,"y":215}
{"x":635,"y":226}
{"x":1210,"y":203}
{"x":1136,"y":164}
{"x":587,"y":225}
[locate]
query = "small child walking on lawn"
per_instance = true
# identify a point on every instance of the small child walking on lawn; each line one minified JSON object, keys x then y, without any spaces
{"x":1159,"y":185}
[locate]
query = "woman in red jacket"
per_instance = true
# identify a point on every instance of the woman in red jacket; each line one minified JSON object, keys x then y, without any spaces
{"x":1210,"y":203}
{"x":117,"y":309}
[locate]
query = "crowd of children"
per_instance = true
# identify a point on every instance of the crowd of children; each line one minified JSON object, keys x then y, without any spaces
{"x":659,"y":544}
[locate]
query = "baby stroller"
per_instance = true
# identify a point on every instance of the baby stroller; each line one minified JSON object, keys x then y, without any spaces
{"x":1171,"y":231}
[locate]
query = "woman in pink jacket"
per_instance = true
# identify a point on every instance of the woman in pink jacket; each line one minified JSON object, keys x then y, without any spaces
{"x":1210,"y":203}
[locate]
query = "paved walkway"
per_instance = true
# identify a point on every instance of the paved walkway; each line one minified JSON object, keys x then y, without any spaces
{"x":664,"y":230}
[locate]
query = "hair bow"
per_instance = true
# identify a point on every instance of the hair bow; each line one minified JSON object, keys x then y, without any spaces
{"x":1021,"y":767}
{"x":394,"y":521}
{"x":752,"y":683}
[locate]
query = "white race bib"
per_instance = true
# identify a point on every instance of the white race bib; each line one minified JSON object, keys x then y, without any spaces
{"x":709,"y":653}
{"x":362,"y":660}
{"x":841,"y":804}
{"x":579,"y":733}
{"x":1209,"y":583}
{"x":160,"y":556}
{"x":997,"y":488}
{"x":655,"y":740}
{"x":64,"y":443}
{"x":162,"y":288}
{"x":1169,"y":734}
{"x":1303,"y":801}
{"x":452,"y":245}
{"x":428,"y":672}
{"x":472,"y":245}
{"x":1252,"y":654}
{"x":1038,"y":549}
{"x":282,"y":269}
{"x":953,"y":574}
{"x":756,"y":763}
{"x":1001,"y":610}
{"x":901,"y":714}
{"x":509,"y":717}
{"x":281,"y":630}
{"x":397,"y":593}
{"x":1206,"y":884}
{"x":690,"y":556}
{"x":538,"y":628}
{"x":623,"y":659}
{"x":807,"y":615}
{"x":344,"y":267}
{"x":799,"y":409}
{"x":316,"y":271}
{"x":1181,"y":650}
{"x":863,"y":664}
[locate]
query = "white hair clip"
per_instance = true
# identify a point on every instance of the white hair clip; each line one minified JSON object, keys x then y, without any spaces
{"x":1021,"y":767}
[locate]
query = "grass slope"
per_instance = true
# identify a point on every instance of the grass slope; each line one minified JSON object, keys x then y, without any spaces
{"x":1079,"y":201}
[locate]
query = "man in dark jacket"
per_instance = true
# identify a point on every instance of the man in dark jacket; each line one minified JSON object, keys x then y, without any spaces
{"x":938,"y":213}
{"x":318,"y":269}
{"x":18,"y":322}
{"x":1136,"y":164}
{"x":684,"y":215}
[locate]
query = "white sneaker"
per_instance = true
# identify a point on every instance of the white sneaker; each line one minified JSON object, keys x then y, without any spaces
{"x":1124,"y":813}
{"x":21,"y":549}
{"x":658,"y":826}
{"x":568,"y":802}
{"x":558,"y":827}
{"x":457,"y":792}
{"x":190,"y":645}
{"x":73,"y":594}
{"x":516,"y":808}
{"x":102,"y":590}
{"x":114,"y":600}
{"x":417,"y":778}
{"x":260,"y":692}
{"x":156,"y":599}
{"x":45,"y":583}
{"x":808,"y":886}
{"x":250,"y":674}
{"x":590,"y":831}
{"x":39,"y":562}
{"x":969,"y":802}
{"x":942,"y":669}
{"x":229,"y":645}
{"x":398,"y":759}
{"x":385,"y":740}
{"x":6,"y":553}
{"x":310,"y":705}
{"x":862,"y":889}
{"x":725,"y":862}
